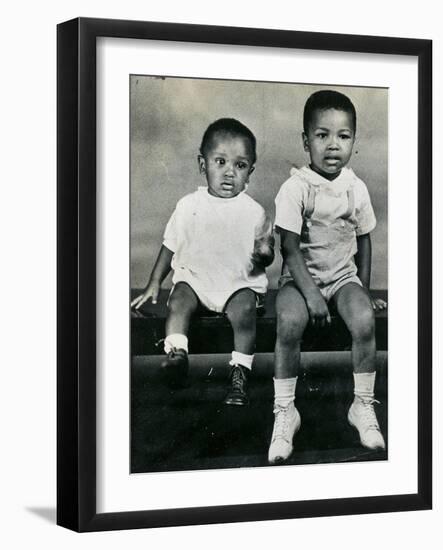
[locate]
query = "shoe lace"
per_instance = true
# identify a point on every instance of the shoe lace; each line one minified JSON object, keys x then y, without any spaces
{"x":368,"y":414}
{"x":176,"y":352}
{"x":281,"y":422}
{"x":237,"y":379}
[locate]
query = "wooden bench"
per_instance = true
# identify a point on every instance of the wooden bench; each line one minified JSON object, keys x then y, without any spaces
{"x":213,"y":333}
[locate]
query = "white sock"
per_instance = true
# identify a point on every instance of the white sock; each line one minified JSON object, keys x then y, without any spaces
{"x":176,"y":341}
{"x":241,"y":359}
{"x":284,"y":391}
{"x":364,"y":384}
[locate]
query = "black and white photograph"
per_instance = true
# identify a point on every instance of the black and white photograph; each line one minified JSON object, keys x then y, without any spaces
{"x":258,"y":273}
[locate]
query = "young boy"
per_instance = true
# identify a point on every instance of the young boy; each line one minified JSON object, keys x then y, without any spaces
{"x":324,"y":217}
{"x":218,"y":243}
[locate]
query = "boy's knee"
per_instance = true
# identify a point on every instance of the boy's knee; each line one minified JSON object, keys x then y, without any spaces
{"x":242,"y":309}
{"x":363,"y":325}
{"x":290,"y":325}
{"x":247,"y":312}
{"x":179,"y":301}
{"x":175,"y":303}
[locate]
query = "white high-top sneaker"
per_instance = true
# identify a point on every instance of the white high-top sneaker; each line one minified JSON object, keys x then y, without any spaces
{"x":362,"y":416}
{"x":286,"y":424}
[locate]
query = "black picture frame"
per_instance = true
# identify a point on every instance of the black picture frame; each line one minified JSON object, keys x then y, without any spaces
{"x":77,"y":250}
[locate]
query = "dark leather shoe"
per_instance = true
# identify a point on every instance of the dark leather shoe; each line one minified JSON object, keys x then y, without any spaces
{"x":175,"y":368}
{"x":238,"y":386}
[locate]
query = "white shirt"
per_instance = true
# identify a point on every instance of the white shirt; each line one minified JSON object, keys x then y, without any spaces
{"x":328,"y":240}
{"x":331,"y":202}
{"x":213,"y":239}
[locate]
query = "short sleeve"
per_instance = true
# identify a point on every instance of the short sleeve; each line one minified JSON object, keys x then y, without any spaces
{"x":366,"y":220}
{"x":289,"y":206}
{"x":171,"y":233}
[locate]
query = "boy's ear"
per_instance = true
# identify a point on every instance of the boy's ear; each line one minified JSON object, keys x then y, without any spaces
{"x":305,"y":142}
{"x":355,"y":146}
{"x":201,"y":164}
{"x":250,"y":171}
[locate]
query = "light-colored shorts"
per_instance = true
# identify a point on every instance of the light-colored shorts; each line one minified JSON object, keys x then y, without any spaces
{"x":216,"y":301}
{"x":327,"y":291}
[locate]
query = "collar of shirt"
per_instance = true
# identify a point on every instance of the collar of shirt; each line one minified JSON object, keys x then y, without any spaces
{"x":336,"y":187}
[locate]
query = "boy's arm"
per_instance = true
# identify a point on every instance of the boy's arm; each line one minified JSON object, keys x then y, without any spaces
{"x":290,"y":248}
{"x":363,"y":260}
{"x":160,"y":270}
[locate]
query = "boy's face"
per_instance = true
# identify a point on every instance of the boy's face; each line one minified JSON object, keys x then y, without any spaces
{"x":227,"y":165}
{"x":329,"y":141}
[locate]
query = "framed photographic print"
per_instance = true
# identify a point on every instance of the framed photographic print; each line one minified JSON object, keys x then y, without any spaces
{"x":205,"y":376}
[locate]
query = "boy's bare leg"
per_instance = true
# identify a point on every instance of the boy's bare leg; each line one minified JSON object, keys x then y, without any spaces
{"x":292,"y":318}
{"x":182,"y":304}
{"x":241,"y":312}
{"x":355,"y":307}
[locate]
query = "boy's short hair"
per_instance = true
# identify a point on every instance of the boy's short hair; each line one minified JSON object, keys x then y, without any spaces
{"x":327,"y":99}
{"x":230,"y":127}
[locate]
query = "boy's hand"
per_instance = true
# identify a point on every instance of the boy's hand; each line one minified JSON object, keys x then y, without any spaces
{"x":263,"y":254}
{"x":378,"y":304}
{"x":151,"y":291}
{"x":318,"y":310}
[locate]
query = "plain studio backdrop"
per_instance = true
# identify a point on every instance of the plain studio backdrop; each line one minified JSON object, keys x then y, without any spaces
{"x":27,"y":403}
{"x":169,"y":117}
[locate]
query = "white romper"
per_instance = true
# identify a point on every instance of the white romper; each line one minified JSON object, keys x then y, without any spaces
{"x":212,"y":239}
{"x":328,"y":216}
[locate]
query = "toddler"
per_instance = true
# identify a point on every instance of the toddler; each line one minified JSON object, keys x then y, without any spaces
{"x":218,"y":242}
